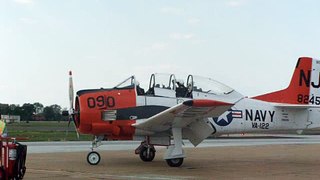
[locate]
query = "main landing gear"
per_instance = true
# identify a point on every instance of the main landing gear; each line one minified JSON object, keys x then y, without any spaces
{"x":146,"y":151}
{"x":93,"y":157}
{"x":174,"y":155}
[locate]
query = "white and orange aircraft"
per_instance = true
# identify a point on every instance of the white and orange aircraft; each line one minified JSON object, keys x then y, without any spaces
{"x":169,"y":111}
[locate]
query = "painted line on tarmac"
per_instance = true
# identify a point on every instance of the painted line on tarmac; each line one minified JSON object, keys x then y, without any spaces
{"x":83,"y":146}
{"x":77,"y":175}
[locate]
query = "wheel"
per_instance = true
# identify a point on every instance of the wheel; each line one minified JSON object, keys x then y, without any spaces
{"x":145,"y":156}
{"x":177,"y":162}
{"x":93,"y":158}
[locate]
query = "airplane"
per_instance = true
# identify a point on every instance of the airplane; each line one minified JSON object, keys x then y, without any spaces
{"x":170,"y":111}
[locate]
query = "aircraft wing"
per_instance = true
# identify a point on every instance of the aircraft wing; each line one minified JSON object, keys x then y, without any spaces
{"x":189,"y":116}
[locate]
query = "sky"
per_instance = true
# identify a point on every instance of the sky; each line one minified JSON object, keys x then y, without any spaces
{"x":250,"y":45}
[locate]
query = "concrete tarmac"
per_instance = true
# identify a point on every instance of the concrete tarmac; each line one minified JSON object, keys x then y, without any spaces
{"x":281,"y":157}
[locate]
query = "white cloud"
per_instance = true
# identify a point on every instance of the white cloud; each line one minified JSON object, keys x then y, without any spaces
{"x":193,"y":20}
{"x":161,"y":67}
{"x":234,"y":3}
{"x":4,"y":86}
{"x":199,"y":41}
{"x":91,"y":57}
{"x":24,"y":1}
{"x":157,"y":46}
{"x":181,"y":36}
{"x":172,"y":10}
{"x":26,"y":20}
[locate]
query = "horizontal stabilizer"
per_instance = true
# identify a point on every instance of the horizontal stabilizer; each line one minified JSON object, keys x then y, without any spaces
{"x":295,"y":106}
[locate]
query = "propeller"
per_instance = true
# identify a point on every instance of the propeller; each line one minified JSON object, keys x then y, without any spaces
{"x":71,"y":100}
{"x":71,"y":93}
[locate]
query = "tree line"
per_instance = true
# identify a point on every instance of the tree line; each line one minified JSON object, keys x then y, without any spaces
{"x":35,"y":111}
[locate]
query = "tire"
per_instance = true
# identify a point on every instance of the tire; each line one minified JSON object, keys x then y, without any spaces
{"x":93,"y":158}
{"x":177,"y":162}
{"x":144,"y":154}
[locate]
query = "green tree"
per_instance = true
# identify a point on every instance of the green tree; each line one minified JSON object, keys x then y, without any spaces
{"x":52,"y":113}
{"x":38,"y":107}
{"x":27,"y":110}
{"x":14,"y":110}
{"x":48,"y":113}
{"x":4,"y":109}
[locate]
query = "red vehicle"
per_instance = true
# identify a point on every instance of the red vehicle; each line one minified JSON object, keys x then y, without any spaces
{"x":12,"y":159}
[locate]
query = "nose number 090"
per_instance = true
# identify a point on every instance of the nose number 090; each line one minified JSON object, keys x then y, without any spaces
{"x":101,"y":102}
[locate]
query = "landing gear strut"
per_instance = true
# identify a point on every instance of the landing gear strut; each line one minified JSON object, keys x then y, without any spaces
{"x":146,"y":151}
{"x":93,"y":157}
{"x":175,"y":154}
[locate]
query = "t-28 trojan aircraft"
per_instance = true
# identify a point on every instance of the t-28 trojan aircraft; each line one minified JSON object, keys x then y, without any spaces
{"x":171,"y":110}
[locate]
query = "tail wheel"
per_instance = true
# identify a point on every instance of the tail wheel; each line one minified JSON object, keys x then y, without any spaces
{"x":93,"y":158}
{"x":147,"y":154}
{"x":177,"y":162}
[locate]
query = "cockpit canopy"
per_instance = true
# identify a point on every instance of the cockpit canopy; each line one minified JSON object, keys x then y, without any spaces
{"x":165,"y":81}
{"x":207,"y":85}
{"x":166,"y":85}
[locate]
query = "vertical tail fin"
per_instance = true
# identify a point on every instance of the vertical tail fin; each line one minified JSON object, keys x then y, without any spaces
{"x":304,"y":85}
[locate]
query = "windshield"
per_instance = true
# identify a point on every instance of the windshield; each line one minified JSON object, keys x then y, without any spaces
{"x":208,"y":85}
{"x":128,"y":83}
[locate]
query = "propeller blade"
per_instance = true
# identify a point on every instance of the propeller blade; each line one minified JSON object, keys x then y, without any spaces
{"x":71,"y":93}
{"x":67,"y":131}
{"x":71,"y":110}
{"x":78,"y":136}
{"x":69,"y":122}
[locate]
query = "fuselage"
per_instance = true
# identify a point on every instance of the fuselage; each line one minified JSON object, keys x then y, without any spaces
{"x":112,"y":112}
{"x":171,"y":110}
